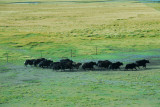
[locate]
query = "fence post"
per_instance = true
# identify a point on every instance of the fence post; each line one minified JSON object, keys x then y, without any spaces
{"x":41,"y":54}
{"x":7,"y":57}
{"x":71,"y":52}
{"x":96,"y":50}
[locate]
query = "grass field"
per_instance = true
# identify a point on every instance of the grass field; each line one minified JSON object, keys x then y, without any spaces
{"x":33,"y":87}
{"x":56,"y":28}
{"x":123,"y":30}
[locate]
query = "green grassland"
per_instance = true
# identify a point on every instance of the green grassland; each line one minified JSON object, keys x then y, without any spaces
{"x":124,"y":30}
{"x":33,"y":87}
{"x":56,"y":28}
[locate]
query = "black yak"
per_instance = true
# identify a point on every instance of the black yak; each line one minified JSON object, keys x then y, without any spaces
{"x":116,"y":65}
{"x":89,"y":65}
{"x":104,"y":64}
{"x":37,"y":61}
{"x":66,"y":64}
{"x":77,"y":65}
{"x":56,"y":65}
{"x":142,"y":63}
{"x":131,"y":66}
{"x":29,"y":62}
{"x":45,"y":63}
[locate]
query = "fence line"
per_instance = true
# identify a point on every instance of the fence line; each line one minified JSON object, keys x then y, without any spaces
{"x":72,"y":54}
{"x":95,"y":55}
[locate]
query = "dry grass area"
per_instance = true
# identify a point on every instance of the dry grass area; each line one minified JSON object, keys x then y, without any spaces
{"x":50,"y":18}
{"x":56,"y":28}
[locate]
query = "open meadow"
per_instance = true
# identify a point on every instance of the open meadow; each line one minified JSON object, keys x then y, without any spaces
{"x":82,"y":30}
{"x":35,"y":87}
{"x":54,"y":28}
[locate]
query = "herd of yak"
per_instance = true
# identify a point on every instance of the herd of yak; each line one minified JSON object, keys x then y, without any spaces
{"x":65,"y":64}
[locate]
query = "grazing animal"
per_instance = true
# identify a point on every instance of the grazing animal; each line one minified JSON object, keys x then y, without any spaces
{"x":104,"y":64}
{"x":116,"y":65}
{"x":45,"y":63}
{"x":66,"y":64}
{"x":89,"y":65}
{"x":29,"y":62}
{"x":37,"y":61}
{"x":131,"y":66}
{"x":77,"y":65}
{"x":142,"y":63}
{"x":66,"y":60}
{"x":56,"y":65}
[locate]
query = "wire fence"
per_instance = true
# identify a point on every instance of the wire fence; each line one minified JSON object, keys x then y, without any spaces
{"x":8,"y":58}
{"x":95,"y":55}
